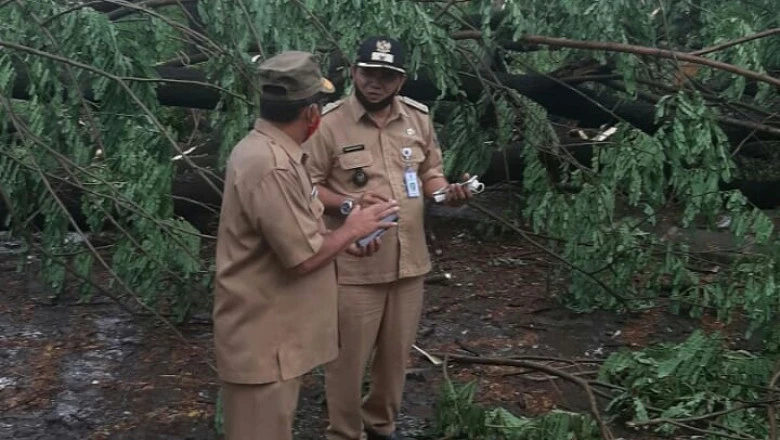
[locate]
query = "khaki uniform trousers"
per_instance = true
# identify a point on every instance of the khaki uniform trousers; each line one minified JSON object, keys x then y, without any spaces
{"x":381,"y":316}
{"x":260,"y":412}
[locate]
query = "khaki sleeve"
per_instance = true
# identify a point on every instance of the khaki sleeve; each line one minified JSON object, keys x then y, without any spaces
{"x":284,"y":216}
{"x":432,"y":165}
{"x":318,"y":147}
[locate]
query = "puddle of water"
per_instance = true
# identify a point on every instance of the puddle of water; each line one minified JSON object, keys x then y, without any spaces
{"x":9,"y":353}
{"x":67,"y":406}
{"x":83,"y":374}
{"x":81,"y":371}
{"x":6,"y":382}
{"x":96,"y":366}
{"x":25,"y":333}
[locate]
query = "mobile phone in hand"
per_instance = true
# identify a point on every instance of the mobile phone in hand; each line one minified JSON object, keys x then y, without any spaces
{"x":363,"y":242}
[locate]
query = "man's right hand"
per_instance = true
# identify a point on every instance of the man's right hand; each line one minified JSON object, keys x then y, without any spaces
{"x":363,"y":221}
{"x":369,"y":198}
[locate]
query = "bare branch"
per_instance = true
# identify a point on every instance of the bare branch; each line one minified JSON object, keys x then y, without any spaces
{"x":728,"y":44}
{"x":649,"y":51}
{"x":632,"y":49}
{"x":149,"y":4}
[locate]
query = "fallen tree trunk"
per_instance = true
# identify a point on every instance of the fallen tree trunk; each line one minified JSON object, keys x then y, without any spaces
{"x":182,"y":87}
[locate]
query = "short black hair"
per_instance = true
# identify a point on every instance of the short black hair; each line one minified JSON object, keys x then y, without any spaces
{"x":284,"y":112}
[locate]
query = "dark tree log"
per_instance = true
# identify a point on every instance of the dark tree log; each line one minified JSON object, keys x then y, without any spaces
{"x":588,"y":108}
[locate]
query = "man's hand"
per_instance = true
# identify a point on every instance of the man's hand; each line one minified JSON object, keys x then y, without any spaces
{"x":369,"y":250}
{"x":369,"y":198}
{"x":363,"y":221}
{"x":457,"y":195}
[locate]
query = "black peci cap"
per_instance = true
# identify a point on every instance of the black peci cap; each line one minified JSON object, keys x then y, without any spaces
{"x":381,"y":52}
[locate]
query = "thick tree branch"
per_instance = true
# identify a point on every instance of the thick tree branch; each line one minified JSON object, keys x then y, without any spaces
{"x":633,"y":49}
{"x":649,"y":51}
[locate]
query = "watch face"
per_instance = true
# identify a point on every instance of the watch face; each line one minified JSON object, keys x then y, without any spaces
{"x":346,"y":207}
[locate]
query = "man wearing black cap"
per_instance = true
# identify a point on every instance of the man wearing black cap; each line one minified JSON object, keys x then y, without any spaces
{"x":371,"y":147}
{"x":275,"y":299}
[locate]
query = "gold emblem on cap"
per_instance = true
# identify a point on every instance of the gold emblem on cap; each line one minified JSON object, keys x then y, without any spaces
{"x":327,"y":86}
{"x":383,"y":46}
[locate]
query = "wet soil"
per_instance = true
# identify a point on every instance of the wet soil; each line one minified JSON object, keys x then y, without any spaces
{"x":91,"y":371}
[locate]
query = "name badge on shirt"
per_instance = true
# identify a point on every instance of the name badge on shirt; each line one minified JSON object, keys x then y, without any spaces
{"x":410,"y":176}
{"x":410,"y":180}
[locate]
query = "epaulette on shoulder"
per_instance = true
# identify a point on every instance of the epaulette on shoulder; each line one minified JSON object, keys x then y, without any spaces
{"x":418,"y":105}
{"x":331,"y":106}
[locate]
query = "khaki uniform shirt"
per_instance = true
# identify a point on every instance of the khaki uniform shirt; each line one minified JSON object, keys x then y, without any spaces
{"x":348,"y":140}
{"x":269,"y":323}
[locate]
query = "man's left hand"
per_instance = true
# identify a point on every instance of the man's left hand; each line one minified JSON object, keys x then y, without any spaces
{"x":457,"y":195}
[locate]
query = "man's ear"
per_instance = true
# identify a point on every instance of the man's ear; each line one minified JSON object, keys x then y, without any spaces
{"x":401,"y":84}
{"x":314,"y":112}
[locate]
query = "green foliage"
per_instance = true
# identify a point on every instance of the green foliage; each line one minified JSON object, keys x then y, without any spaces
{"x":458,"y":417}
{"x":322,"y":25}
{"x":606,"y":220}
{"x":641,"y":175}
{"x":467,"y":145}
{"x":694,"y":379}
{"x":686,"y":383}
{"x":115,"y":153}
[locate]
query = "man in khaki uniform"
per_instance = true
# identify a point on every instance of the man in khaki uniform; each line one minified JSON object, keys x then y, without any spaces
{"x":275,"y":309}
{"x":375,"y":146}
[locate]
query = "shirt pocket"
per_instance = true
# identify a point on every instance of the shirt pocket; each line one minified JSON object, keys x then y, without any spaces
{"x":354,"y":160}
{"x":355,"y":170}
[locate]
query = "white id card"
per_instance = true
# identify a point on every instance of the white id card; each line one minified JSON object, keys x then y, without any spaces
{"x":410,"y":180}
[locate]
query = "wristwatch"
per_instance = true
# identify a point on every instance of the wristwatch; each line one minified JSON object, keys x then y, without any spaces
{"x":346,"y":206}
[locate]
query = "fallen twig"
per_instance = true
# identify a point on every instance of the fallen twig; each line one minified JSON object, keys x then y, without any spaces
{"x":544,"y":378}
{"x":663,"y":420}
{"x":557,"y":359}
{"x":433,"y":359}
{"x":466,"y":348}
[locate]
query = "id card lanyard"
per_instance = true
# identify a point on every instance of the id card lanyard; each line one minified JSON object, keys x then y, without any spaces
{"x":410,"y":175}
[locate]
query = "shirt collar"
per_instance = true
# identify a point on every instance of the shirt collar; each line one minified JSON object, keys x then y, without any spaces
{"x":280,"y":137}
{"x":357,"y":111}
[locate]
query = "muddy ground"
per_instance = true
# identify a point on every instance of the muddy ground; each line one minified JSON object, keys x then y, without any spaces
{"x":91,"y":371}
